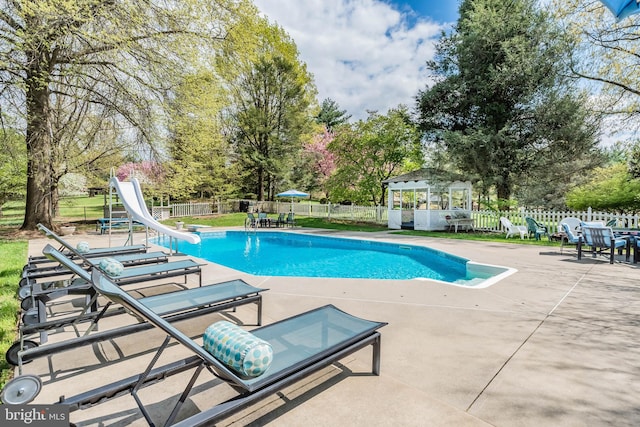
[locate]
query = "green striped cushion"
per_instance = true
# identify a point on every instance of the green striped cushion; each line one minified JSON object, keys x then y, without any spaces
{"x":238,"y":349}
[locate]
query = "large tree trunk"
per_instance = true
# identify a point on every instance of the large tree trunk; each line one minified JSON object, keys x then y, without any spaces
{"x":39,"y":151}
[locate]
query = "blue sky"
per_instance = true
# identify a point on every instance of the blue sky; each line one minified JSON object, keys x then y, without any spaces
{"x":364,"y":54}
{"x":438,"y":10}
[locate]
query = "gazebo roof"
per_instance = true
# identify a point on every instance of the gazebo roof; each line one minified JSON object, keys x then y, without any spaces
{"x":426,"y":174}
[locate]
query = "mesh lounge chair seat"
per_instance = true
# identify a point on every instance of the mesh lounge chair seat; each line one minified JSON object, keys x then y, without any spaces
{"x":600,"y":238}
{"x":36,"y":295}
{"x":302,"y":344}
{"x":93,"y":252}
{"x":127,"y":260}
{"x":41,"y":270}
{"x":173,"y":306}
{"x":51,"y":290}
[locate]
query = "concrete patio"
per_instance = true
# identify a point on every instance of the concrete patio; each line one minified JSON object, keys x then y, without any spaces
{"x":555,"y":344}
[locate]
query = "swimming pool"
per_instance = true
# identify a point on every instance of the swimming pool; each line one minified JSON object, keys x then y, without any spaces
{"x":302,"y":255}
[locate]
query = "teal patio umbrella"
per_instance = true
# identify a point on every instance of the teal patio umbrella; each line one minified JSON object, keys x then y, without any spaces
{"x":292,"y":194}
{"x":622,"y":8}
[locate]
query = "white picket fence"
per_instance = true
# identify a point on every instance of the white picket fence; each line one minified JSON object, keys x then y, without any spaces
{"x":483,"y":220}
{"x":551,"y":219}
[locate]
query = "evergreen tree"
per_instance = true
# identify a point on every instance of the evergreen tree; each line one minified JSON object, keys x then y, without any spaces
{"x":500,"y":106}
{"x":331,"y":115}
{"x":269,"y":117}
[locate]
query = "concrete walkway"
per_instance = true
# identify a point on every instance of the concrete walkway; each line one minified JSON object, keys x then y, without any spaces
{"x":555,"y":344}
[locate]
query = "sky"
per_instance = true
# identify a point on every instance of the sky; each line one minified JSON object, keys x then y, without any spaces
{"x":364,"y":54}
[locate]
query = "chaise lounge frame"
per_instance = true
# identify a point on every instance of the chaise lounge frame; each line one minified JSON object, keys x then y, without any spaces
{"x":93,"y":252}
{"x":35,"y":318}
{"x":173,"y":306}
{"x":339,"y":334}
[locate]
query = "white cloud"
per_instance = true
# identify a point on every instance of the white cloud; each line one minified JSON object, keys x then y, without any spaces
{"x":363,"y":54}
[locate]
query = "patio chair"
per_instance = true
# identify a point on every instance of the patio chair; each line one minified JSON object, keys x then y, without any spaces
{"x":513,"y":229}
{"x":281,"y":221}
{"x":570,"y":237}
{"x":263,"y":220}
{"x":250,"y":221}
{"x":599,"y":238}
{"x":291,"y":222}
{"x":572,"y":223}
{"x":536,"y":229}
{"x":173,"y":306}
{"x":301,"y":345}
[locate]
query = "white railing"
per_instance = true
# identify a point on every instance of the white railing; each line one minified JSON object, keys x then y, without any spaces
{"x":490,"y":220}
{"x":187,"y":209}
{"x":483,"y":220}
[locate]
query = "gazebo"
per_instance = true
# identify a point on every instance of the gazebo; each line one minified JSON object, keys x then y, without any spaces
{"x":425,"y":198}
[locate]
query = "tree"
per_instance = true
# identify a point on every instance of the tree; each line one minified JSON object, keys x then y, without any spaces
{"x":118,"y":56}
{"x":368,"y":152}
{"x":271,"y":96}
{"x":321,"y":161}
{"x":13,"y":166}
{"x":611,"y":189}
{"x":605,"y":54}
{"x":500,"y":106}
{"x":331,"y":116}
{"x":197,"y":147}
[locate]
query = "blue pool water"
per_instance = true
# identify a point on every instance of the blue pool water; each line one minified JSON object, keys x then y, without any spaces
{"x":301,"y":255}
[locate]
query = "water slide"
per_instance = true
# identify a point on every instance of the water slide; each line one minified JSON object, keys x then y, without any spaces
{"x":133,"y":201}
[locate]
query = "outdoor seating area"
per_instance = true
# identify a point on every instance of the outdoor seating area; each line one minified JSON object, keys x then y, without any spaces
{"x":461,"y":221}
{"x":295,"y":348}
{"x":472,"y":381}
{"x":263,"y":220}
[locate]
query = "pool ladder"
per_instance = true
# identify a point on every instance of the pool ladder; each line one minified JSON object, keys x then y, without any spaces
{"x":250,"y":225}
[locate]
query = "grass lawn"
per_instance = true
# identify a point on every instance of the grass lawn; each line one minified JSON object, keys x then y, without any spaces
{"x":14,"y":255}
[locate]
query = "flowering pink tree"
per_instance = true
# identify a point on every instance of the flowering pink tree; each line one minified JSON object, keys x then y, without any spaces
{"x":323,"y":161}
{"x":146,"y":172}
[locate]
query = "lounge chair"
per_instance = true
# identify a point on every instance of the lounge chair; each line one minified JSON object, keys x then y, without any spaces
{"x":173,"y":306}
{"x":513,"y":229}
{"x":600,"y":238}
{"x":41,"y":271}
{"x":536,"y":229}
{"x":301,"y":345}
{"x":92,"y":253}
{"x":36,"y":295}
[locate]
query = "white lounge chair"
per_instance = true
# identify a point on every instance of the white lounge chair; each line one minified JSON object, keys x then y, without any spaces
{"x":512,"y":230}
